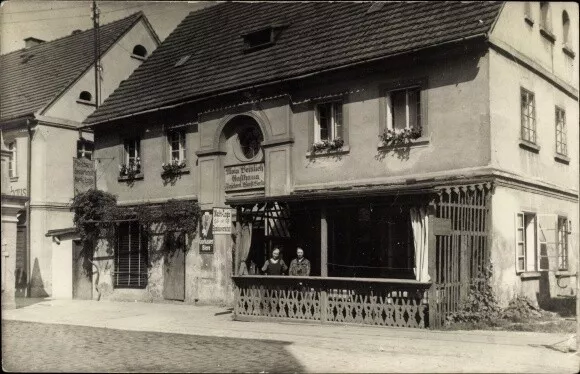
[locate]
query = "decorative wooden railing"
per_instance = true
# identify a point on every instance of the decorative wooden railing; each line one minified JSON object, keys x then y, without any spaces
{"x":383,"y":302}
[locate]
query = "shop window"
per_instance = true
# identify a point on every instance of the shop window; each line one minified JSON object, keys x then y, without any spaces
{"x":403,"y":109}
{"x":561,"y":142}
{"x":328,"y":121}
{"x":528,"y":113}
{"x":563,"y":232}
{"x":85,"y":149}
{"x":177,"y":149}
{"x":140,"y":51}
{"x":131,"y":157}
{"x":131,"y":256}
{"x":12,"y":163}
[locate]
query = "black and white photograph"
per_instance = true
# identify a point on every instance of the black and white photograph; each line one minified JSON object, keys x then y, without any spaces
{"x":289,"y":186}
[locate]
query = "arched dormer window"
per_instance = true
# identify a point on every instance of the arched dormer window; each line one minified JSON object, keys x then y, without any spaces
{"x":85,"y":96}
{"x":545,"y":17}
{"x":140,"y":51}
{"x":566,"y":28}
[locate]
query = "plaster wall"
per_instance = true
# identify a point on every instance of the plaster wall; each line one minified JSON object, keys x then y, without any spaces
{"x":117,"y":65}
{"x":62,"y":270}
{"x":506,"y":203}
{"x":506,"y":80}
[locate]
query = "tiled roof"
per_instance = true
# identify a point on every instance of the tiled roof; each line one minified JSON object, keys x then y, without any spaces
{"x":30,"y":78}
{"x":316,"y":36}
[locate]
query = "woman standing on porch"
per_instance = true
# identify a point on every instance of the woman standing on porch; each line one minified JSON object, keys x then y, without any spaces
{"x":275,"y":265}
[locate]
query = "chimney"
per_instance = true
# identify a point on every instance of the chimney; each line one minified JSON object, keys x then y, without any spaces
{"x":31,"y":42}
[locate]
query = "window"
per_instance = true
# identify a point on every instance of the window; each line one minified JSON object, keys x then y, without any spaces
{"x":131,"y":256}
{"x":259,"y":38}
{"x":176,"y":141}
{"x":328,"y":121}
{"x":250,"y":139}
{"x":132,"y":157}
{"x":404,"y":109}
{"x":566,"y":28}
{"x":140,"y":51}
{"x":86,"y":96}
{"x":532,"y":243}
{"x":528,"y":116}
{"x":545,"y":16}
{"x":85,"y":149}
{"x":563,"y":231}
{"x":561,"y":143}
{"x":12,"y":163}
{"x":528,"y":13}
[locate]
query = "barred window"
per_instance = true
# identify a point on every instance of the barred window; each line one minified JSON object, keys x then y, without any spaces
{"x":562,"y":243}
{"x":528,"y":104}
{"x":131,"y":256}
{"x":561,"y":143}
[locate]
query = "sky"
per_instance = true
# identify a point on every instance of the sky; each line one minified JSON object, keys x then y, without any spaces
{"x":49,"y":20}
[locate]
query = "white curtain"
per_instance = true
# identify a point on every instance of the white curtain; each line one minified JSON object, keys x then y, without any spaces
{"x":420,"y":237}
{"x":245,"y":243}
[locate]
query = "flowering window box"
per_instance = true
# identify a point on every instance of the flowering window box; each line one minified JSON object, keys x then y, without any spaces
{"x":174,"y":168}
{"x":399,"y":138}
{"x":131,"y":170}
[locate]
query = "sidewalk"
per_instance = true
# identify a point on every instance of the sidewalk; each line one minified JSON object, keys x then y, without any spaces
{"x":325,"y":348}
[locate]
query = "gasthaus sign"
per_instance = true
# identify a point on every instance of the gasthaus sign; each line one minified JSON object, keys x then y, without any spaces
{"x":242,"y":177}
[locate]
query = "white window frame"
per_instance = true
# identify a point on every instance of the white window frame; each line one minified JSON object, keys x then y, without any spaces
{"x":528,"y":120}
{"x":137,"y":149}
{"x":561,"y":140}
{"x":563,"y":230}
{"x":181,"y":145}
{"x":389,"y":107}
{"x":529,"y":242}
{"x":336,"y":126}
{"x":13,"y":161}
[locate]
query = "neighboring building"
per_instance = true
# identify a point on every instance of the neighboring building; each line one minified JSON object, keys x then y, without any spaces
{"x":277,"y":111}
{"x":47,"y":90}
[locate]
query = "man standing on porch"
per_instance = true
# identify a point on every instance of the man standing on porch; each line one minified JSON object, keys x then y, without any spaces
{"x":275,"y":265}
{"x":300,"y":266}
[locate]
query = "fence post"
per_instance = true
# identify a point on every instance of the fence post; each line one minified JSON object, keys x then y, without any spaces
{"x":433,"y":317}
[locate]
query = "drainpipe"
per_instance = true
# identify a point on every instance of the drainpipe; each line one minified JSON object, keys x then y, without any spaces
{"x":28,"y":189}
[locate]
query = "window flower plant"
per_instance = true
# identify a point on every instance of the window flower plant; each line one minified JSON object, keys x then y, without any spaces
{"x":173,"y":167}
{"x":131,"y":169}
{"x":327,"y":145}
{"x":400,"y":136}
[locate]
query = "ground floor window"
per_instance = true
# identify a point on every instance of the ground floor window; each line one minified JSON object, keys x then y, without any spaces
{"x":563,"y":243}
{"x":131,"y":256}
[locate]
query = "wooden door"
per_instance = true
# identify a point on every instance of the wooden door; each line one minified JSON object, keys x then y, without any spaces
{"x":82,"y":274}
{"x":174,"y":270}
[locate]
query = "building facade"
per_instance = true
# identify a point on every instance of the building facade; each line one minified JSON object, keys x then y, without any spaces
{"x":402,"y":160}
{"x":48,"y":89}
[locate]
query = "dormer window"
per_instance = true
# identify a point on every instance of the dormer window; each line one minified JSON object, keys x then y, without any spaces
{"x":85,"y":96}
{"x":261,"y":38}
{"x":139,"y":52}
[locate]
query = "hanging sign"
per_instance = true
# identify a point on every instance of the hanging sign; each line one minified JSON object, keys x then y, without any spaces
{"x":222,"y":221}
{"x":243,"y":177}
{"x":84,"y":175}
{"x":206,"y":232}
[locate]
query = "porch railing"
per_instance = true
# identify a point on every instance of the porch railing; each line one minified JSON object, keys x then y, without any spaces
{"x":382,"y":302}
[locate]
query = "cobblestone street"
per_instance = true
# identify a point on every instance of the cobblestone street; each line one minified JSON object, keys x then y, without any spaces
{"x":38,"y":347}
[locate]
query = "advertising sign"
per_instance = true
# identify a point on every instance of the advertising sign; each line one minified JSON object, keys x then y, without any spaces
{"x":206,"y":232}
{"x":243,"y":177}
{"x":84,"y":175}
{"x":222,"y":221}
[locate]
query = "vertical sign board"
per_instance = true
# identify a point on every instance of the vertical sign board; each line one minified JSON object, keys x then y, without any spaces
{"x":222,"y":221}
{"x":206,"y":232}
{"x":84,"y":175}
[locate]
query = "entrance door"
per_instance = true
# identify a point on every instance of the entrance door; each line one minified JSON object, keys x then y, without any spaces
{"x":21,"y":262}
{"x":82,"y":274}
{"x":174,"y":270}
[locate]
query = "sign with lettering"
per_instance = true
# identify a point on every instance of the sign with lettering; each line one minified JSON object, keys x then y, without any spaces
{"x":243,"y":177}
{"x":84,"y":175}
{"x":222,"y":221}
{"x":206,"y":232}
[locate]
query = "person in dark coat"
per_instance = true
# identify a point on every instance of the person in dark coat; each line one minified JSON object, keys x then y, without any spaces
{"x":300,"y":266}
{"x":275,"y":265}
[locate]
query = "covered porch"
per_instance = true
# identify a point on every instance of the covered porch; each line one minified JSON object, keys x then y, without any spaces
{"x":404,"y":260}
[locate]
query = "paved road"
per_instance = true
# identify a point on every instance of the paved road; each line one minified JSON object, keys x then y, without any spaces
{"x":38,"y":347}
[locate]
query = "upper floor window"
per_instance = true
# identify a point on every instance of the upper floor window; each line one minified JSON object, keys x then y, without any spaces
{"x":404,"y":109}
{"x":85,"y":149}
{"x":132,"y":157}
{"x":176,"y":141}
{"x":528,"y":106}
{"x":545,"y":16}
{"x":528,"y":12}
{"x":328,"y":121}
{"x":250,"y":139}
{"x":566,"y":28}
{"x":86,"y":96}
{"x":12,"y":163}
{"x":563,"y":231}
{"x":140,"y":51}
{"x":561,"y":143}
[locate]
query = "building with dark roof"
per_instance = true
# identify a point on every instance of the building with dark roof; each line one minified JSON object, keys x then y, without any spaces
{"x":404,"y":146}
{"x":47,"y":89}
